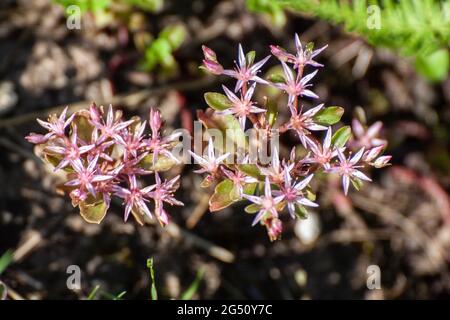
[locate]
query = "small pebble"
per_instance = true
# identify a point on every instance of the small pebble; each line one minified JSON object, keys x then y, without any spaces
{"x":308,"y":230}
{"x":8,"y":97}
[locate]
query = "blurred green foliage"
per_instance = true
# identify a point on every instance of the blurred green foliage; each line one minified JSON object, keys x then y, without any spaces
{"x":85,"y":5}
{"x":157,"y":51}
{"x":415,"y":28}
{"x":193,"y":288}
{"x":148,"y":5}
{"x":107,"y":11}
{"x":272,"y":10}
{"x":101,"y":5}
{"x":160,"y":51}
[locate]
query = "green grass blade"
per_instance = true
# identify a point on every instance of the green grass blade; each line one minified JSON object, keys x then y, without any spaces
{"x":153,"y":292}
{"x":5,"y":260}
{"x":93,"y":293}
{"x":193,"y":288}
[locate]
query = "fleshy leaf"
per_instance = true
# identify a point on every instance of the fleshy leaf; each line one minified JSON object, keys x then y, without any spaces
{"x":310,"y":195}
{"x":53,"y":159}
{"x":228,"y":124}
{"x":357,"y":183}
{"x":250,"y":188}
{"x":250,"y":57}
{"x":341,"y":136}
{"x":301,"y":212}
{"x":93,"y":212}
{"x":251,"y":170}
{"x":276,"y":78}
{"x":309,"y":46}
{"x":233,"y":129}
{"x":223,"y":196}
{"x":163,"y":163}
{"x":252,"y":208}
{"x":329,"y":116}
{"x":217,"y":101}
{"x":84,"y":128}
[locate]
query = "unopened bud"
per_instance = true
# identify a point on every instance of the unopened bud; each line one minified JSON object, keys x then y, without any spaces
{"x":373,"y":153}
{"x":36,"y":138}
{"x":382,"y":161}
{"x":213,"y":67}
{"x":279,"y":53}
{"x":274,"y":228}
{"x":209,"y":54}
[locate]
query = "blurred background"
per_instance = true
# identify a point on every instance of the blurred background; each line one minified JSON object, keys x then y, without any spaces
{"x":390,"y":60}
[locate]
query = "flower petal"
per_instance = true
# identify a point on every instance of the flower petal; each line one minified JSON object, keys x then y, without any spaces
{"x":360,"y":175}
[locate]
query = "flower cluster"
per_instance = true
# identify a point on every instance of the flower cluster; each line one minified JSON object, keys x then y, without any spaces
{"x":103,"y":156}
{"x":283,"y":184}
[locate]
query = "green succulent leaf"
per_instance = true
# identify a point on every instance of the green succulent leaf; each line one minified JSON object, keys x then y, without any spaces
{"x":301,"y":212}
{"x":251,"y":170}
{"x":84,"y":128}
{"x":329,"y":116}
{"x":93,"y":210}
{"x":162,"y":164}
{"x":341,"y":136}
{"x":224,"y":195}
{"x":252,"y":208}
{"x":250,"y":188}
{"x":250,"y":57}
{"x":227,"y":124}
{"x":276,"y":78}
{"x":310,"y":195}
{"x":357,"y":183}
{"x":217,"y":101}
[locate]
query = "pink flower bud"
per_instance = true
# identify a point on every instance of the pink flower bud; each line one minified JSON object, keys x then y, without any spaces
{"x":209,"y":54}
{"x":280,"y":53}
{"x":155,"y":121}
{"x":213,"y":67}
{"x":77,"y":195}
{"x":93,"y":111}
{"x":382,"y":161}
{"x":36,"y":138}
{"x":373,"y":153}
{"x":274,"y":229}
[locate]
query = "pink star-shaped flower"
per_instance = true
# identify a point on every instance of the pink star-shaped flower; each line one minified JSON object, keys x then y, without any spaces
{"x":348,"y":168}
